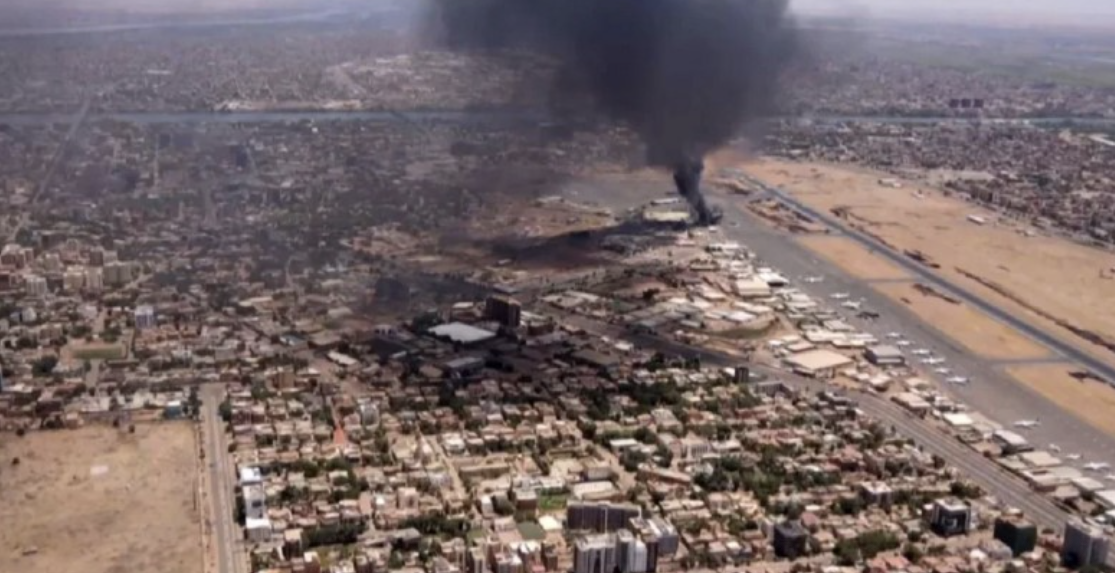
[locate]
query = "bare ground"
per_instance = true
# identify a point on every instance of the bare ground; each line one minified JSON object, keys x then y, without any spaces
{"x":98,"y":500}
{"x":1089,"y":400}
{"x":853,"y":258}
{"x":979,"y":333}
{"x":1058,"y":285}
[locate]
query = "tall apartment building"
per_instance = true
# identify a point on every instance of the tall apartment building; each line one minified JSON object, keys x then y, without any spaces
{"x":600,"y":517}
{"x":595,"y":554}
{"x":94,"y":279}
{"x":35,"y":286}
{"x":73,"y":280}
{"x":950,"y":517}
{"x":505,"y":310}
{"x":659,"y":532}
{"x":1084,"y":545}
{"x":144,"y":317}
{"x":631,"y":552}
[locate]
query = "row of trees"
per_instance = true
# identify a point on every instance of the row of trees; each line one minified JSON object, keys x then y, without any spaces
{"x":864,"y":546}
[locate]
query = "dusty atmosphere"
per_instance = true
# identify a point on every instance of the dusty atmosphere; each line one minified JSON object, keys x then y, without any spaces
{"x":100,"y":500}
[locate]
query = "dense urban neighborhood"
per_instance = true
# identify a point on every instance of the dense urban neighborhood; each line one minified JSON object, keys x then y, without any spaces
{"x":294,"y":290}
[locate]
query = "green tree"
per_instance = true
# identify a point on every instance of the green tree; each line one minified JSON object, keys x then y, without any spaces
{"x":225,"y":410}
{"x":44,"y":365}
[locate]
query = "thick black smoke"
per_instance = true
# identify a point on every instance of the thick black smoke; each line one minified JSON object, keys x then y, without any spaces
{"x":686,"y":75}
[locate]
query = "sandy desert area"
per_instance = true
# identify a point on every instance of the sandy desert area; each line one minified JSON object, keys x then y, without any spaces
{"x":100,"y":500}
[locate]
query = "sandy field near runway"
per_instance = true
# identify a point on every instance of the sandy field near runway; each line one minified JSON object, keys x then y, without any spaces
{"x":977,"y":332}
{"x":1089,"y":400}
{"x":1045,"y":279}
{"x":853,"y":258}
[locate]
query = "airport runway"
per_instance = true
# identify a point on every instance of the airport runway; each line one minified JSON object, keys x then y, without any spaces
{"x":927,"y":276}
{"x":990,"y":392}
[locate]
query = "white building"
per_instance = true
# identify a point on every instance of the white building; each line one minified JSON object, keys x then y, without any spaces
{"x":73,"y":280}
{"x":254,"y":501}
{"x":35,"y":285}
{"x":595,"y":554}
{"x":94,"y":279}
{"x":118,"y":273}
{"x":52,"y":263}
{"x":145,"y":317}
{"x":632,"y":555}
{"x":259,"y":530}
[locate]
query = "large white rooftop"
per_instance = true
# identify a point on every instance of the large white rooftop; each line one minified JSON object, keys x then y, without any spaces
{"x":462,"y":333}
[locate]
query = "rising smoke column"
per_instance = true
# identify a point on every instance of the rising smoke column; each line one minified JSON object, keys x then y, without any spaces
{"x":686,"y":75}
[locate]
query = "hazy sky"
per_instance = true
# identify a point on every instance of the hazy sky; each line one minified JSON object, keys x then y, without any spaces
{"x":1056,"y":11}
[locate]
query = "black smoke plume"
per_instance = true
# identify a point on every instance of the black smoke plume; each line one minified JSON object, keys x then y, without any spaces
{"x":685,"y":75}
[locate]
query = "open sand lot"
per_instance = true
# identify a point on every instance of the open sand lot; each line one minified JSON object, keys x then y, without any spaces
{"x":853,"y":258}
{"x":1043,"y":279}
{"x":977,"y":332}
{"x":1089,"y":400}
{"x":98,"y":500}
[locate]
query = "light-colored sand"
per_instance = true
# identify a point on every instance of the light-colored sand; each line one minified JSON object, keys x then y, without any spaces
{"x":1089,"y":400}
{"x":853,"y":258}
{"x":979,"y":333}
{"x":98,"y":500}
{"x":1056,"y":276}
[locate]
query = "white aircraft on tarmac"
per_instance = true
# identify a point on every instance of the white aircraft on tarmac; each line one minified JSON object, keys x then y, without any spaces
{"x":961,"y":380}
{"x":1027,"y":423}
{"x":839,"y":295}
{"x":854,"y":305}
{"x":1096,"y":466}
{"x":813,"y":280}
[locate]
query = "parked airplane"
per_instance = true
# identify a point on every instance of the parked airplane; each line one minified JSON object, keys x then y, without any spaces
{"x":1096,"y":466}
{"x":894,"y":335}
{"x":854,"y":305}
{"x":839,"y":295}
{"x":1073,"y":457}
{"x":957,"y":380}
{"x":904,"y":343}
{"x":942,"y":371}
{"x":1027,"y":423}
{"x":812,"y":280}
{"x":921,"y":352}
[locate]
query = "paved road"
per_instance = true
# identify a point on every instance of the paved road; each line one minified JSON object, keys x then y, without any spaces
{"x":926,"y":275}
{"x":223,"y":530}
{"x":992,"y":392}
{"x":75,"y":122}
